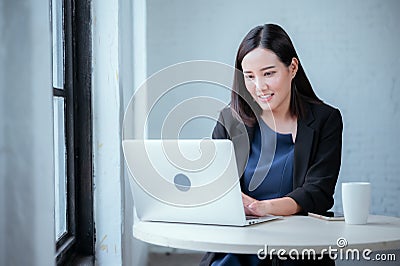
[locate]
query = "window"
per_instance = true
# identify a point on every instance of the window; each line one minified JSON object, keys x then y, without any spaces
{"x":71,"y":53}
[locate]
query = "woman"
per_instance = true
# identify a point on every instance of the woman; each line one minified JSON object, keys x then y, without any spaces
{"x":274,"y":99}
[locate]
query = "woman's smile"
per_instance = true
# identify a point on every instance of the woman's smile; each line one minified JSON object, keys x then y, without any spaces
{"x":265,"y":97}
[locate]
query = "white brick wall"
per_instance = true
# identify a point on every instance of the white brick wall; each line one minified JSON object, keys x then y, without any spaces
{"x":348,"y":48}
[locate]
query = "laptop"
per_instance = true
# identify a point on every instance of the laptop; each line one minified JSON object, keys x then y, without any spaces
{"x":187,"y":181}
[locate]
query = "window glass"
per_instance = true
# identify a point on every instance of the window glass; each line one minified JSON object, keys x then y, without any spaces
{"x":58,"y":43}
{"x":60,"y":168}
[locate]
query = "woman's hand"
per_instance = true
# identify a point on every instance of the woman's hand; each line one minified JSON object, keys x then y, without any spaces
{"x":259,"y":208}
{"x":247,"y":200}
{"x":279,"y":206}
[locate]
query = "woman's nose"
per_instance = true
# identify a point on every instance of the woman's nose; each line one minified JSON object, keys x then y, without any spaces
{"x":260,"y":84}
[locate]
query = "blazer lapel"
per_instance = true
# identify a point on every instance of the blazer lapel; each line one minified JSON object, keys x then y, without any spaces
{"x":241,"y":141}
{"x":302,"y":148}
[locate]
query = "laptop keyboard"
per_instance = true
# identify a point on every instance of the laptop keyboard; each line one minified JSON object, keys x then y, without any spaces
{"x":250,"y":217}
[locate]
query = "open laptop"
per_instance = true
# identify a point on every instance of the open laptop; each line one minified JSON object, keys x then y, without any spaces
{"x":187,"y":181}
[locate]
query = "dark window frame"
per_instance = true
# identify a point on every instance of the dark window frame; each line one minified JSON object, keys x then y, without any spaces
{"x":79,"y":241}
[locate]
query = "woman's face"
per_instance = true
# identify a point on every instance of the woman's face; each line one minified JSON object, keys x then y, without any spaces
{"x":268,"y":80}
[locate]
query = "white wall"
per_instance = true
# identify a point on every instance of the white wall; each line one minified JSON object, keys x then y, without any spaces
{"x":108,"y":166}
{"x":118,"y":65}
{"x":26,"y":130}
{"x":349,"y":50}
{"x":132,"y":64}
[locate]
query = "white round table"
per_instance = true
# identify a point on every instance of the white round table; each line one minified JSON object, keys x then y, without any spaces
{"x":292,"y":232}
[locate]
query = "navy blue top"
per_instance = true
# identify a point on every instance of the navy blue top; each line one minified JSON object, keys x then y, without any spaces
{"x":269,"y":170}
{"x":268,"y":175}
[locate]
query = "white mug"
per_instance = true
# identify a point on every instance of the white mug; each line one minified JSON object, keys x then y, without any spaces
{"x":356,"y":198}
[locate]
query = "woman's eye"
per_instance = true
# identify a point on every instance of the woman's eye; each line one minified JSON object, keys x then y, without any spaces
{"x":268,"y":74}
{"x":249,"y":77}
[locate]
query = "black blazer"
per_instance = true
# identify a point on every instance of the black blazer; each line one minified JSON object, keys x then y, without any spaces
{"x":317,"y":155}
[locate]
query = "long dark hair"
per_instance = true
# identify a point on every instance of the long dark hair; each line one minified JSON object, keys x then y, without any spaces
{"x":275,"y":39}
